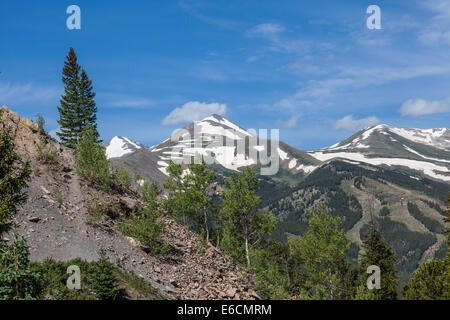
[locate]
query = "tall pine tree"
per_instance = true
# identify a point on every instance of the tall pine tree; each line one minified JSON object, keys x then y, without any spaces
{"x":77,"y":106}
{"x":376,"y":252}
{"x":88,"y":105}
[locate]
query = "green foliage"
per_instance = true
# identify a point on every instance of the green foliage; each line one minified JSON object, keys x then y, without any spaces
{"x":197,"y":196}
{"x":431,"y":281}
{"x":59,"y":198}
{"x":17,"y":279}
{"x":95,"y":211}
{"x":244,"y":227}
{"x":14,"y":175}
{"x":77,"y":107}
{"x":430,"y":224}
{"x":123,"y":178}
{"x":150,"y":191}
{"x":91,"y":161}
{"x":345,"y":206}
{"x":270,"y":266}
{"x":46,"y":155}
{"x":40,"y":121}
{"x":54,"y":281}
{"x":375,"y":252}
{"x":433,"y":205}
{"x":403,"y":242}
{"x":175,"y":201}
{"x":103,"y":278}
{"x":322,"y":253}
{"x":384,"y":211}
{"x":145,"y":224}
{"x":140,"y":288}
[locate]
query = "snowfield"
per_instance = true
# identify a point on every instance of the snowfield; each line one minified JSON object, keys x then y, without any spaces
{"x":426,"y":167}
{"x":120,"y":146}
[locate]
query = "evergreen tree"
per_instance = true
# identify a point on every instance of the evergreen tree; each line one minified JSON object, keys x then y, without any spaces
{"x":376,"y":252}
{"x":88,"y":105}
{"x":14,"y":175}
{"x":77,"y":107}
{"x":431,"y":281}
{"x":244,"y":227}
{"x":103,"y":278}
{"x":70,"y":109}
{"x":321,"y":253}
{"x":17,"y":279}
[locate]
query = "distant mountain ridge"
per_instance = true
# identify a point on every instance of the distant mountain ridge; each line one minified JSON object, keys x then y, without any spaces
{"x":425,"y":152}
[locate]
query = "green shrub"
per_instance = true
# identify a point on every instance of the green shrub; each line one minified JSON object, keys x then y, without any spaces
{"x":123,"y":178}
{"x":17,"y":279}
{"x":46,"y":155}
{"x":95,"y":211}
{"x":91,"y":161}
{"x":103,"y":278}
{"x":40,"y":121}
{"x":54,"y":279}
{"x":145,"y":227}
{"x":59,"y":198}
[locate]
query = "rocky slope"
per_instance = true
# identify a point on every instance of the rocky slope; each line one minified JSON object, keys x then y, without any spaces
{"x":54,"y":219}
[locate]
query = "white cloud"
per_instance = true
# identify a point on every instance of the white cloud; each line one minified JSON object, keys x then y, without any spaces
{"x":267,"y":30}
{"x":17,"y":94}
{"x":290,"y":123}
{"x":349,"y":78}
{"x":350,"y":124}
{"x":272,"y":33}
{"x":437,"y":32}
{"x":194,"y":111}
{"x":421,"y":107}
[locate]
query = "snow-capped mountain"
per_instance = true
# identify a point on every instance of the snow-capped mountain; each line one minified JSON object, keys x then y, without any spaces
{"x":230,"y":146}
{"x":119,"y":146}
{"x":224,"y":143}
{"x":426,"y":151}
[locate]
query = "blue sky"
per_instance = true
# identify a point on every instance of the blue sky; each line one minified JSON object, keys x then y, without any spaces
{"x":311,"y":68}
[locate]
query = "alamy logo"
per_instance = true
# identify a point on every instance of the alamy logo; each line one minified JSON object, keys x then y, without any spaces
{"x":374,"y":281}
{"x":374,"y":21}
{"x":74,"y":281}
{"x":74,"y":20}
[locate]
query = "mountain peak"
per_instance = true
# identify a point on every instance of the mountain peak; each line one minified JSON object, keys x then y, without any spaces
{"x":120,"y":146}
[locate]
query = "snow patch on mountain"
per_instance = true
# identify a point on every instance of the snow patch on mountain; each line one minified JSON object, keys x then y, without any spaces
{"x":438,"y":138}
{"x":427,"y":168}
{"x":119,"y":146}
{"x":425,"y":157}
